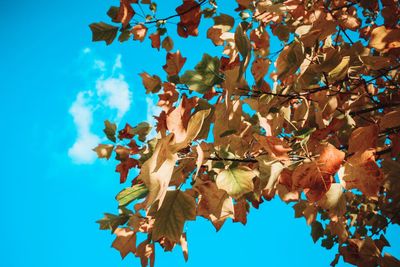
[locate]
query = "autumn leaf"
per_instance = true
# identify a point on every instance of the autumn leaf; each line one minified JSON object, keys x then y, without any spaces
{"x":155,"y":40}
{"x":130,"y":194}
{"x":205,"y":75}
{"x":174,"y":64}
{"x":111,"y":221}
{"x":170,"y":218}
{"x":139,"y":32}
{"x":125,"y":242}
{"x":362,"y":172}
{"x":109,"y":130}
{"x":385,"y":39}
{"x":103,"y":32}
{"x":104,"y":151}
{"x":125,"y":12}
{"x":151,"y":83}
{"x":167,"y":43}
{"x":124,"y":167}
{"x":236,"y":182}
{"x":363,"y":138}
{"x":189,"y":19}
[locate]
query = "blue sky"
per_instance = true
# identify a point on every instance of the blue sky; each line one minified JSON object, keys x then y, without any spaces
{"x":57,"y":89}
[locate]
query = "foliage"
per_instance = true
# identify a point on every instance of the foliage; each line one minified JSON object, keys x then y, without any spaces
{"x":322,"y":130}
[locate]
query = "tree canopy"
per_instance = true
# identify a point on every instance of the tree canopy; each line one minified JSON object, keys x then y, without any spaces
{"x":315,"y":123}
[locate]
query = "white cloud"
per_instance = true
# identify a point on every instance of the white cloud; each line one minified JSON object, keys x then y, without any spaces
{"x":100,"y":65}
{"x":82,"y":113}
{"x":116,"y":94}
{"x":87,"y":50}
{"x":112,"y":93}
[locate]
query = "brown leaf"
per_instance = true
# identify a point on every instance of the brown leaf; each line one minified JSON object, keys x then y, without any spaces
{"x":125,"y":12}
{"x":174,"y":64}
{"x":169,"y":97}
{"x":125,"y":241}
{"x":363,"y":173}
{"x":146,"y":252}
{"x":260,"y":68}
{"x":363,"y":138}
{"x":151,"y":83}
{"x":384,"y":39}
{"x":260,"y":41}
{"x":276,"y":147}
{"x":156,"y":172}
{"x":155,"y":40}
{"x":190,"y":18}
{"x":390,"y":120}
{"x":139,"y":32}
{"x":240,"y":210}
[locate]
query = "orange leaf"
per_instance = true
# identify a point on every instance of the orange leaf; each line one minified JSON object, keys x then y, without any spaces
{"x":362,"y":172}
{"x":363,"y":138}
{"x":139,"y":32}
{"x":155,"y":40}
{"x":174,"y":63}
{"x":125,"y":241}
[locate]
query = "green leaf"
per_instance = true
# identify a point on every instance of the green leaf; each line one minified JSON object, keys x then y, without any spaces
{"x":104,"y":151}
{"x":109,"y":130}
{"x":130,"y":194}
{"x":317,"y":231}
{"x":176,"y":208}
{"x":111,"y":221}
{"x":340,"y":71}
{"x":236,"y":182}
{"x":103,"y":32}
{"x":205,"y":75}
{"x":142,"y":130}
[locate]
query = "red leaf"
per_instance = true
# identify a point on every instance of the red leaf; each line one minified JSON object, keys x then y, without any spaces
{"x":190,"y":18}
{"x":124,"y":167}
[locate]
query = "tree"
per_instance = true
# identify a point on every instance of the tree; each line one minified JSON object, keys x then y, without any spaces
{"x":322,"y":131}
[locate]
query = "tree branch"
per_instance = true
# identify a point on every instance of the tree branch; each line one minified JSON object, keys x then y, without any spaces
{"x":177,"y":14}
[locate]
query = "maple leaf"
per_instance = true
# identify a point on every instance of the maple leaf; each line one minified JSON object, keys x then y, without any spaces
{"x":139,"y":32}
{"x":167,"y":43}
{"x":103,"y":32}
{"x":156,"y":172}
{"x":205,"y":75}
{"x":111,"y":221}
{"x":190,"y":16}
{"x":276,"y":147}
{"x":362,"y":172}
{"x":155,"y":40}
{"x":146,"y":252}
{"x":236,"y":182}
{"x":124,"y":167}
{"x":109,"y":130}
{"x":125,"y":242}
{"x":104,"y":151}
{"x":170,"y":218}
{"x":125,"y":12}
{"x":130,"y":194}
{"x":151,"y":83}
{"x":174,"y":64}
{"x":363,"y":138}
